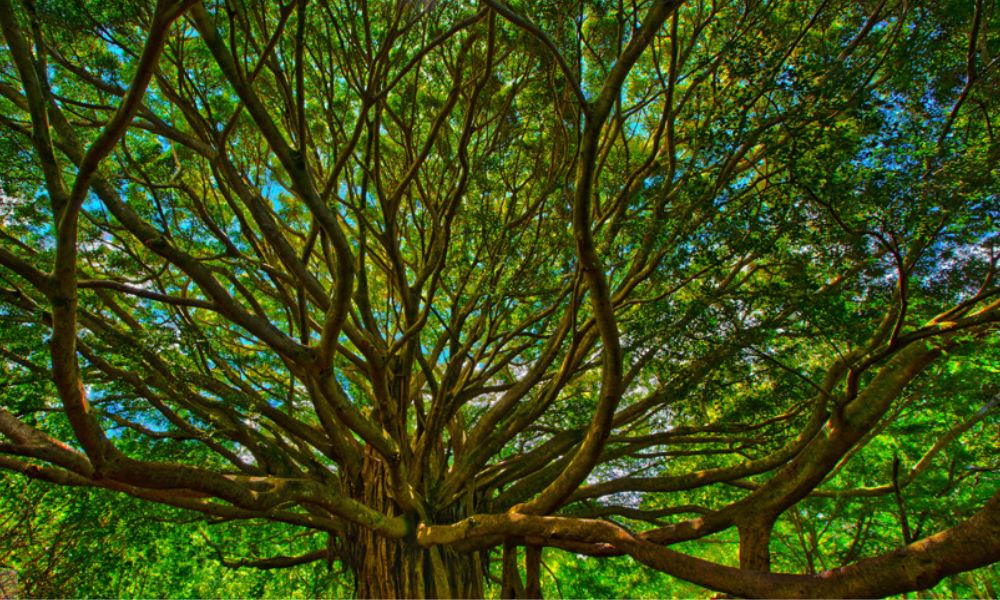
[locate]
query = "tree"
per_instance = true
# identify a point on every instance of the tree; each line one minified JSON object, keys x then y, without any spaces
{"x":93,"y":543}
{"x":438,"y":281}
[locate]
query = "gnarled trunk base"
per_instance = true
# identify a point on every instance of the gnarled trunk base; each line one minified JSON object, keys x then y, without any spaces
{"x":386,"y":568}
{"x":391,"y":568}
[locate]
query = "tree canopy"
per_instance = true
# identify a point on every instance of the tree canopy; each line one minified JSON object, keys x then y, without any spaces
{"x":430,"y":287}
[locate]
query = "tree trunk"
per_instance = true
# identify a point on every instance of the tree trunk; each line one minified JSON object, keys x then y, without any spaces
{"x":755,"y":544}
{"x":395,"y":569}
{"x":533,"y":572}
{"x":390,"y":568}
{"x":512,"y":586}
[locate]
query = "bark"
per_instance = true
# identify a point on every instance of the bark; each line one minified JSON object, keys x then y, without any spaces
{"x":532,"y":572}
{"x":386,"y":567}
{"x":512,"y":587}
{"x":755,"y":544}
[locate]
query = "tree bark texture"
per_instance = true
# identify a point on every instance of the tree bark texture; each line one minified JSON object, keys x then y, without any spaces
{"x":755,"y":544}
{"x":384,"y":567}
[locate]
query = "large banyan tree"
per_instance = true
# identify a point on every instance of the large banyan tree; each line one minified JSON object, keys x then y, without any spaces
{"x":438,"y":280}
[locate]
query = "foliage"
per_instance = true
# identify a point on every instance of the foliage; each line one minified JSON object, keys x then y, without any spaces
{"x":402,"y":296}
{"x":70,"y":543}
